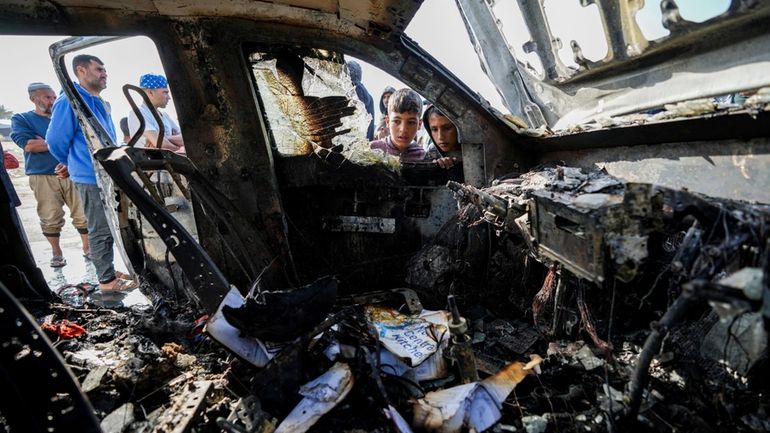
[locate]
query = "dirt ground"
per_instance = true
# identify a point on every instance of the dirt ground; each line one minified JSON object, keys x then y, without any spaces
{"x":78,"y":269}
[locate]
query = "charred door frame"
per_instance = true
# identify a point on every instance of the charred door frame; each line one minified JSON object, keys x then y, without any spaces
{"x":218,"y":110}
{"x":224,"y":127}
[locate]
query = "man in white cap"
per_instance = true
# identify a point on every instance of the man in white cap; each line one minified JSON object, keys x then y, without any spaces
{"x":48,"y":178}
{"x":156,"y":88}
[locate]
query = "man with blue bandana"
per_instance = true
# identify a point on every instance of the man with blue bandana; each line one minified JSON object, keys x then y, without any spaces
{"x":67,"y":144}
{"x":156,"y":88}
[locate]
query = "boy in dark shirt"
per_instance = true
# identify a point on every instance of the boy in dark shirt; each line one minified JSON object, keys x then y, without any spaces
{"x":444,"y":149}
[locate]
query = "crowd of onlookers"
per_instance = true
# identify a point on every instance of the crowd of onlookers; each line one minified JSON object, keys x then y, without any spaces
{"x":58,"y":162}
{"x":398,"y":130}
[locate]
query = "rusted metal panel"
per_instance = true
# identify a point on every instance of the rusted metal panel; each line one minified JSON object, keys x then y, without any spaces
{"x":382,"y":18}
{"x":185,"y":408}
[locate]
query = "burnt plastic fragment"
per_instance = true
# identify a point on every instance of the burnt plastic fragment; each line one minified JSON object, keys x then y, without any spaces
{"x":287,"y":314}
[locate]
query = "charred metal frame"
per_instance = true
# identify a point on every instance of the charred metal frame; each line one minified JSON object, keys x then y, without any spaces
{"x":226,"y":131}
{"x":223,"y":124}
{"x":209,"y":286}
{"x":636,"y":74}
{"x":228,"y":138}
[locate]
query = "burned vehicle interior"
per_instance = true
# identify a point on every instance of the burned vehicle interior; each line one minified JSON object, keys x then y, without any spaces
{"x":603,"y":264}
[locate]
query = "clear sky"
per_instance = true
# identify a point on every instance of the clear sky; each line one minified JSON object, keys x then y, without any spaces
{"x":437,"y":27}
{"x":125,"y":61}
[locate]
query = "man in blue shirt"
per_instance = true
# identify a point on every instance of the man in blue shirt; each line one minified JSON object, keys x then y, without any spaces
{"x":68,"y":145}
{"x":48,"y":179}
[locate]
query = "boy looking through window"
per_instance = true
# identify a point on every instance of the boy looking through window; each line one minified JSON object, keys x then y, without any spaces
{"x":403,"y":121}
{"x":444,"y":149}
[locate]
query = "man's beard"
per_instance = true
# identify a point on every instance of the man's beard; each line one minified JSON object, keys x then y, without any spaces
{"x":44,"y":109}
{"x":97,"y":84}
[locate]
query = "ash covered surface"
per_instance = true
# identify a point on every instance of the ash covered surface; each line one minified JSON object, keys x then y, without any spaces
{"x":553,"y":295}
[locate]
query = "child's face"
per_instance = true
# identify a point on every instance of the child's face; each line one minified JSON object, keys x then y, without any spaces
{"x":403,"y":128}
{"x":386,"y":98}
{"x":443,"y":132}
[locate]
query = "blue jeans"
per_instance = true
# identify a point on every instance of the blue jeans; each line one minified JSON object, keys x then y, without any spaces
{"x":99,"y":235}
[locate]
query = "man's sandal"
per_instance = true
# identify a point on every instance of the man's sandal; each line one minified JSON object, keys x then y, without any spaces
{"x":121,"y":285}
{"x":58,"y":261}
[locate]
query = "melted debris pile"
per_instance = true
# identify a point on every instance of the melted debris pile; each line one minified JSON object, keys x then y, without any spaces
{"x":529,"y":312}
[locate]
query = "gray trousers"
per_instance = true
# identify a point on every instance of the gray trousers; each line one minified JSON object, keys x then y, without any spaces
{"x":99,"y":235}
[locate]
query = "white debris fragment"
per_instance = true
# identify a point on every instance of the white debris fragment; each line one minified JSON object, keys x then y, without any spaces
{"x":119,"y":419}
{"x":91,"y":358}
{"x":759,"y":99}
{"x":749,"y":280}
{"x":399,"y":423}
{"x":541,"y":131}
{"x":435,"y":367}
{"x":250,"y":349}
{"x":534,"y":423}
{"x":588,"y":359}
{"x":184,"y":360}
{"x":444,"y":411}
{"x":593,"y":201}
{"x":694,"y":107}
{"x":411,"y":339}
{"x":321,"y":394}
{"x":475,"y":406}
{"x":606,"y":122}
{"x":94,"y":378}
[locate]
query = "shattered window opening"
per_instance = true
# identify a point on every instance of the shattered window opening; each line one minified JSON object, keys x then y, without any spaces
{"x":582,"y":25}
{"x":310,"y":106}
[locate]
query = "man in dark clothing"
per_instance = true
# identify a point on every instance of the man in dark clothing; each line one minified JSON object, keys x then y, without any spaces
{"x":444,"y":150}
{"x":354,"y":70}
